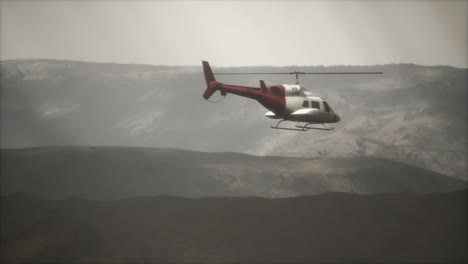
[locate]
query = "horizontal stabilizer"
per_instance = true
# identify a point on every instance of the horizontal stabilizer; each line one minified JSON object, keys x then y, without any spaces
{"x":270,"y":114}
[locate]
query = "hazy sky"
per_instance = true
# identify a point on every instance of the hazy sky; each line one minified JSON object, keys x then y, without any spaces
{"x":236,"y":33}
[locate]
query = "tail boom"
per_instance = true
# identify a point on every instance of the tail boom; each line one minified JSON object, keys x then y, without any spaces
{"x":273,"y":101}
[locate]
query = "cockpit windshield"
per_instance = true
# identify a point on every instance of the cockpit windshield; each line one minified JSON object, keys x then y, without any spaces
{"x":327,"y":107}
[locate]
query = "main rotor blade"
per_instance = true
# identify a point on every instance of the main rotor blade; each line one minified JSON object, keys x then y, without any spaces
{"x":338,"y":73}
{"x":257,"y":73}
{"x":239,"y":73}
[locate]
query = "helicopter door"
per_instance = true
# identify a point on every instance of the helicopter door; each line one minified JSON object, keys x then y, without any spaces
{"x":305,"y":104}
{"x":315,"y":104}
{"x":327,"y":107}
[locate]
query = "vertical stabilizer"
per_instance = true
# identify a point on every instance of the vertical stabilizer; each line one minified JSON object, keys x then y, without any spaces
{"x":209,"y":78}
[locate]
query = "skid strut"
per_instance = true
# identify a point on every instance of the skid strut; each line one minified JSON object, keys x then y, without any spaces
{"x":306,"y":127}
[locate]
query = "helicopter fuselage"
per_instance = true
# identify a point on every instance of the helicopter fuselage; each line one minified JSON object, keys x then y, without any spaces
{"x":288,"y":102}
{"x":284,"y":101}
{"x":303,"y":106}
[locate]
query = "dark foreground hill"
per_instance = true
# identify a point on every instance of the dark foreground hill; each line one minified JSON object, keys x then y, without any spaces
{"x":333,"y":227}
{"x":114,"y":173}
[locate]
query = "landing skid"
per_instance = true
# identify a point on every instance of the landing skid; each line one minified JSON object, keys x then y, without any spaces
{"x":306,"y":127}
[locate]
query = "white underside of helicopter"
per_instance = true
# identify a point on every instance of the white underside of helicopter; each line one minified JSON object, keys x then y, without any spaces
{"x":301,"y":113}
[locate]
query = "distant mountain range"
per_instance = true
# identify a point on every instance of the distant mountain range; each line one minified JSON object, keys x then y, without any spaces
{"x":412,"y":114}
{"x":388,"y":185}
{"x":120,"y":172}
{"x":326,"y":228}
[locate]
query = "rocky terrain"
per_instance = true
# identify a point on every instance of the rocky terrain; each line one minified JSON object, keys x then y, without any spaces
{"x":412,"y":114}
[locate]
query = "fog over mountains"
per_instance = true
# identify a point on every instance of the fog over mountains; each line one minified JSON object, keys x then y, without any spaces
{"x":411,"y":114}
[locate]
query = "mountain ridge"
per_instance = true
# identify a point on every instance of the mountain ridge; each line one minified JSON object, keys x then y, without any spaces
{"x":108,"y":173}
{"x":412,"y":114}
{"x":214,"y":66}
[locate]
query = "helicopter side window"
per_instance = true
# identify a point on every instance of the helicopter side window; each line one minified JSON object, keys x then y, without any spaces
{"x":315,"y":104}
{"x":305,"y":104}
{"x":327,"y":107}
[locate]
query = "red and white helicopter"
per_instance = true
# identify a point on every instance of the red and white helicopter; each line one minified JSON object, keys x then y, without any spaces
{"x":288,"y":102}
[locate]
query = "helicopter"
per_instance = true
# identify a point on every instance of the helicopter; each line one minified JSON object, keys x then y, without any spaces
{"x":286,"y":102}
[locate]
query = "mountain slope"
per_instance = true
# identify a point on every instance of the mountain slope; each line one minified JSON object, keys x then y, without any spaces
{"x":117,"y":172}
{"x":334,"y":227}
{"x":412,"y":114}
